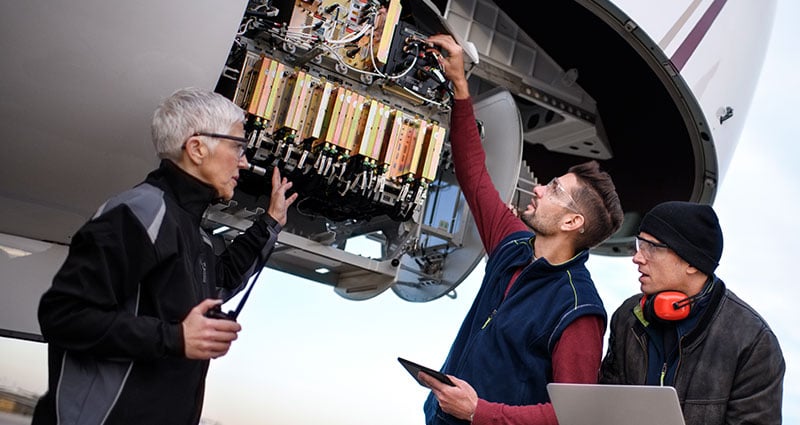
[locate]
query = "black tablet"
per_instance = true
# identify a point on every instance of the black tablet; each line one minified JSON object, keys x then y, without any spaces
{"x":414,"y":368}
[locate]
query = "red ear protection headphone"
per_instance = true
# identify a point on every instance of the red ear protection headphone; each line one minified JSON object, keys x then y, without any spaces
{"x":666,"y":306}
{"x":670,"y":306}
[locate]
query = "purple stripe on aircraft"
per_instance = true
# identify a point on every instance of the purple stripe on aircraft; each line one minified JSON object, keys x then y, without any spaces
{"x":687,"y":48}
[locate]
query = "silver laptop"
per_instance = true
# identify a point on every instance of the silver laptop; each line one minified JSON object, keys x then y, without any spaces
{"x":596,"y":404}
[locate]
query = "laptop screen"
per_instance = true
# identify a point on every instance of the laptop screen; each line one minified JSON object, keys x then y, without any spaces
{"x":597,"y":404}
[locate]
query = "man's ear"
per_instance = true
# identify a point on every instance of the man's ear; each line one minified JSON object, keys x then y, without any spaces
{"x":195,"y":150}
{"x":573,"y":221}
{"x":690,"y":269}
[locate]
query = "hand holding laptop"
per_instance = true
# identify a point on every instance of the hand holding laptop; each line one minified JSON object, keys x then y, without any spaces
{"x":597,"y":404}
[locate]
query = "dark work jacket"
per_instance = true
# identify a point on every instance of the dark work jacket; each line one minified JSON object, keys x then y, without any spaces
{"x":505,"y":345}
{"x":730,"y":367}
{"x":112,"y":317}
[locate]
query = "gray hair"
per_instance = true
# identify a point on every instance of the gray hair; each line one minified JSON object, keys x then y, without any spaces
{"x":188,"y":111}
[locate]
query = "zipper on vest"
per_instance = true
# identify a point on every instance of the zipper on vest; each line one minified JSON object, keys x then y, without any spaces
{"x":663,"y":373}
{"x":488,"y":319}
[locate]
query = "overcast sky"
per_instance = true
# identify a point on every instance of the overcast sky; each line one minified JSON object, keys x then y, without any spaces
{"x":308,"y":356}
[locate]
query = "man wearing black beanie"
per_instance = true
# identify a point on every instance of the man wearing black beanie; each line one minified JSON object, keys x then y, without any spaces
{"x":687,"y":330}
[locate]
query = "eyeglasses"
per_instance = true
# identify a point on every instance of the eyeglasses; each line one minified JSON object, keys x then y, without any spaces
{"x":648,"y":247}
{"x":241,"y":142}
{"x":557,"y":191}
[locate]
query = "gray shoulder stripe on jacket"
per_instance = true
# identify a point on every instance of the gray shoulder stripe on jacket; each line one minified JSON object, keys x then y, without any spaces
{"x":147,"y":204}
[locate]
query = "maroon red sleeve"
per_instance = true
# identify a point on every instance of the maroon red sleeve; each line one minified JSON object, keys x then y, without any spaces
{"x":492,"y":217}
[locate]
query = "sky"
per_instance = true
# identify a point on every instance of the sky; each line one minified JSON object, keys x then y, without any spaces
{"x":308,"y":356}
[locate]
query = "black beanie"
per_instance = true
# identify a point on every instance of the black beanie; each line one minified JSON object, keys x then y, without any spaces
{"x":690,"y":229}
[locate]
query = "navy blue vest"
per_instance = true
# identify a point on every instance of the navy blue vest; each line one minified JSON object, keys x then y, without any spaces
{"x":504,"y":347}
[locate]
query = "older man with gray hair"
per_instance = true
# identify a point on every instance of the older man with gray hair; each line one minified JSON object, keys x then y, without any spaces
{"x":126,"y":318}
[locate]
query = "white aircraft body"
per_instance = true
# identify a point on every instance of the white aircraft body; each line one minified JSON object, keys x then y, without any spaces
{"x":656,"y":91}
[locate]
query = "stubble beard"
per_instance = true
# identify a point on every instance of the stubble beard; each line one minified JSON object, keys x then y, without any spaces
{"x":539,"y":225}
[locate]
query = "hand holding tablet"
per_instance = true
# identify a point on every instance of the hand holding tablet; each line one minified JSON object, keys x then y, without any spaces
{"x":414,"y":369}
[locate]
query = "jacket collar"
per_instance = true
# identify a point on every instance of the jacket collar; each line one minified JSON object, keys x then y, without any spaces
{"x":706,"y":309}
{"x":707,"y":312}
{"x":525,"y":239}
{"x":190,"y":193}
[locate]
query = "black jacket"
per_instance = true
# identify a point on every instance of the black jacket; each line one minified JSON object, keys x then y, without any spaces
{"x":112,"y":317}
{"x":730,"y":367}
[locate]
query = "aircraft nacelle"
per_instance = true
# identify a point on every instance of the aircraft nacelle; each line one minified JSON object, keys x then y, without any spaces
{"x":348,"y":102}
